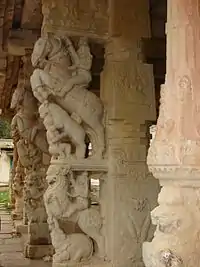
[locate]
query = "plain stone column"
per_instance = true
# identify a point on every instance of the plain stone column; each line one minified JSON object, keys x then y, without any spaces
{"x":130,"y":192}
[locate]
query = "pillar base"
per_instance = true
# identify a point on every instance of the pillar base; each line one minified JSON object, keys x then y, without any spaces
{"x":38,"y":251}
{"x":20,"y":228}
{"x":38,"y":244}
{"x":38,"y":234}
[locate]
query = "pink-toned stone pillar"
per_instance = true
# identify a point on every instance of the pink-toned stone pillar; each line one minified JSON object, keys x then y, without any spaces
{"x":174,"y":156}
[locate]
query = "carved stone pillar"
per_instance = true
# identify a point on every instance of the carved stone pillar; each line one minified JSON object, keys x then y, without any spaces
{"x":129,"y":192}
{"x":38,"y":241}
{"x":12,"y":175}
{"x":17,"y":190}
{"x":174,"y":156}
{"x":33,"y":154}
{"x":70,"y":112}
{"x":17,"y":182}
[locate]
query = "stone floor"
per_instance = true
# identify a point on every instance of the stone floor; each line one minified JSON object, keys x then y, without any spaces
{"x":10,"y":246}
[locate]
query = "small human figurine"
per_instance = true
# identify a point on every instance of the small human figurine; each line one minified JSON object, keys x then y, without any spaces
{"x":82,"y":63}
{"x":26,"y":124}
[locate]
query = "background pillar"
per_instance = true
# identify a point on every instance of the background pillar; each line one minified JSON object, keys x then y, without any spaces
{"x":127,"y":86}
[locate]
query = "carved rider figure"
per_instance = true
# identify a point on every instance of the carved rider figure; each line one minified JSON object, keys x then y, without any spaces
{"x":63,"y":75}
{"x":81,"y":65}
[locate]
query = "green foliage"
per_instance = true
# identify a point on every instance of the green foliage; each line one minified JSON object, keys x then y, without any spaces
{"x":4,"y":197}
{"x":5,"y":129}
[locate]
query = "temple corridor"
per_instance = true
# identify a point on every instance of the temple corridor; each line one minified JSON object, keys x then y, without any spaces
{"x":11,"y":247}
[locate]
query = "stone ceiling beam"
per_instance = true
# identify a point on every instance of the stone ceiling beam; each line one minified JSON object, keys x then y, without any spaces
{"x":76,"y":18}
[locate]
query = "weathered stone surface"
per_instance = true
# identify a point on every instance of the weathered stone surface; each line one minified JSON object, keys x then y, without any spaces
{"x":20,"y":227}
{"x":129,"y":193}
{"x":174,"y":154}
{"x":76,"y":18}
{"x":72,"y":113}
{"x":32,"y":149}
{"x":74,"y":104}
{"x":17,"y":188}
{"x":38,"y":251}
{"x":39,"y":234}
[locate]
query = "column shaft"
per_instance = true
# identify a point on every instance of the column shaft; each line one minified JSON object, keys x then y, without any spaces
{"x":174,"y":154}
{"x":128,"y":93}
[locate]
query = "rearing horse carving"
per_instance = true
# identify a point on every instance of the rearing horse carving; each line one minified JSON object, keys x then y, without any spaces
{"x":64,"y":74}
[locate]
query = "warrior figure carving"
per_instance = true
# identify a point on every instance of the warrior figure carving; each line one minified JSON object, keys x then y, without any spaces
{"x":63,"y":74}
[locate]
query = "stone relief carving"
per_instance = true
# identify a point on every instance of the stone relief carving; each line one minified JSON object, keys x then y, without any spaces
{"x":17,"y":189}
{"x":60,"y":125}
{"x":17,"y":183}
{"x":176,"y":139}
{"x":30,"y":137}
{"x":72,"y":248}
{"x":35,"y":184}
{"x":71,"y":114}
{"x":93,"y":16}
{"x":67,"y":199}
{"x":176,"y":240}
{"x":164,"y":139}
{"x":184,"y":86}
{"x":65,"y":74}
{"x":78,"y":247}
{"x":26,"y":121}
{"x":81,"y":65}
{"x":35,"y":187}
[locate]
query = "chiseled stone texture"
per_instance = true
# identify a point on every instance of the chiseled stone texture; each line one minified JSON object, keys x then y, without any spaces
{"x":76,"y":17}
{"x":127,"y":89}
{"x":73,"y":111}
{"x":174,"y":155}
{"x":176,"y":240}
{"x":129,"y":193}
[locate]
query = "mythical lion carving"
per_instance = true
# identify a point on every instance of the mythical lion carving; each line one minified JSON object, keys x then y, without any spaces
{"x":34,"y":189}
{"x":176,"y":240}
{"x":72,"y":248}
{"x":60,"y":125}
{"x":64,"y":73}
{"x":67,"y":199}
